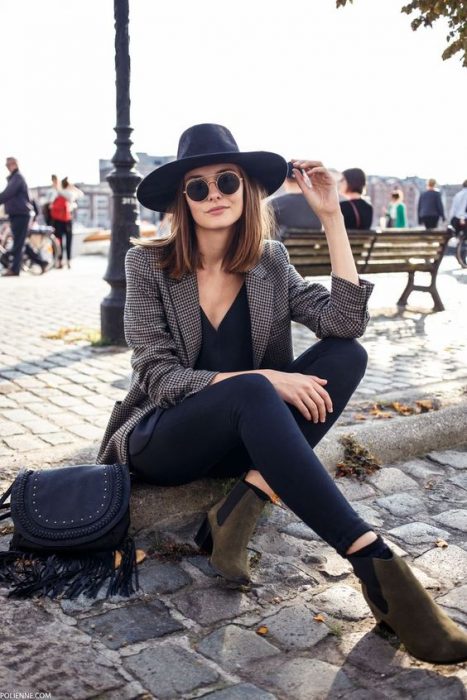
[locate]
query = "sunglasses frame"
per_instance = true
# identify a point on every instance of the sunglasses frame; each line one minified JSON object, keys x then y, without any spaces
{"x":208,"y":182}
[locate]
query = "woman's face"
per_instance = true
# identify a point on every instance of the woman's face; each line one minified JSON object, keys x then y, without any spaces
{"x":217,"y":210}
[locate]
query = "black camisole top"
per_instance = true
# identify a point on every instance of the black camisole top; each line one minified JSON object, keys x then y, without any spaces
{"x":229,"y":348}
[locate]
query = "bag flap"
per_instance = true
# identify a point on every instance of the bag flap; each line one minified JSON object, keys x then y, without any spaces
{"x":69,"y":502}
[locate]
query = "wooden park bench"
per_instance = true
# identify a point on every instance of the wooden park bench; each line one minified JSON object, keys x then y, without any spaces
{"x":403,"y":250}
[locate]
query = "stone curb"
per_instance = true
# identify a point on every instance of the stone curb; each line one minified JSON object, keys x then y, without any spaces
{"x":402,"y":438}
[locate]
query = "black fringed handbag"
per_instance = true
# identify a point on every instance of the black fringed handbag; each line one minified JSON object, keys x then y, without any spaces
{"x":69,"y":523}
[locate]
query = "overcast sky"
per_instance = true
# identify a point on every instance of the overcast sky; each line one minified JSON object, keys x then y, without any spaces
{"x":352,"y":87}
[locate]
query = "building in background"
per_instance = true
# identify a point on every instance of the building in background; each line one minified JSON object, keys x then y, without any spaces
{"x":94,"y":209}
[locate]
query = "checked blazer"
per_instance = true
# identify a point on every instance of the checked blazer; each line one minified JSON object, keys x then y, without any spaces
{"x":163,"y":327}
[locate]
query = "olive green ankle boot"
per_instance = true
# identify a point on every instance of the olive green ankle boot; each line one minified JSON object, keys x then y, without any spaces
{"x":397,"y":599}
{"x":227,"y":529}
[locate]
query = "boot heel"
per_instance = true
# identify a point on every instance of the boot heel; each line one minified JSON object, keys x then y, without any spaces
{"x":203,"y":537}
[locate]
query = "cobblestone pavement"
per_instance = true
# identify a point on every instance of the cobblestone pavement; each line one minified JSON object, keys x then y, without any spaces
{"x":302,"y":632}
{"x":184,"y":635}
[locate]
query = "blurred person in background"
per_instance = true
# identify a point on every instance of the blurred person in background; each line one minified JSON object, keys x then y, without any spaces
{"x":292,"y":210}
{"x":430,"y":206}
{"x":19,"y":208}
{"x":357,"y":212}
{"x":61,"y":211}
{"x":396,"y":215}
{"x":458,"y":214}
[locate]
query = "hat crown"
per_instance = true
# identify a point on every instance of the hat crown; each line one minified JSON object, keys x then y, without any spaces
{"x":205,"y":139}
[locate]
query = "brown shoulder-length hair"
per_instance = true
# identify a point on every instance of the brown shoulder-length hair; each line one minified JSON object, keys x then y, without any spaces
{"x":179,"y":250}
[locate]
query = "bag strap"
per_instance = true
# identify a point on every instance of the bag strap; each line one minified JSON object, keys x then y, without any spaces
{"x":356,"y":213}
{"x":3,"y":505}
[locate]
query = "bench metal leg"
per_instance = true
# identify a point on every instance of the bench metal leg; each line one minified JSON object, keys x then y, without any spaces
{"x":407,"y":291}
{"x":434,"y":293}
{"x":411,"y":287}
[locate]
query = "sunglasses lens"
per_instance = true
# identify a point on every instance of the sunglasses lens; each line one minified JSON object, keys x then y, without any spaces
{"x":197,"y":190}
{"x":228,"y":183}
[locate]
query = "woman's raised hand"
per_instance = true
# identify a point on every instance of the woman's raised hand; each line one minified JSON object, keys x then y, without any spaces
{"x":322,"y":196}
{"x":305,"y":392}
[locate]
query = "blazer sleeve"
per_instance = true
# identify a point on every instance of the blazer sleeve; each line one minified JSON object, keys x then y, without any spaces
{"x":342,"y":312}
{"x":160,"y":373}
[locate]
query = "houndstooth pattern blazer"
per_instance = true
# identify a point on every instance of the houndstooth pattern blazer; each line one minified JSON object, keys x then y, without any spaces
{"x":163,"y":327}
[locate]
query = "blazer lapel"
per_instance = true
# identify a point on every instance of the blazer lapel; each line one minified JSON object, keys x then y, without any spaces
{"x":185,"y":297}
{"x":260,"y":293}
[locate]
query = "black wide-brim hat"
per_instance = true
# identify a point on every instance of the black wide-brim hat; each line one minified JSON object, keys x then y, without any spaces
{"x":204,"y":144}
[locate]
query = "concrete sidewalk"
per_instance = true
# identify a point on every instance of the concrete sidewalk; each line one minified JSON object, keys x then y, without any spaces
{"x":303,"y":631}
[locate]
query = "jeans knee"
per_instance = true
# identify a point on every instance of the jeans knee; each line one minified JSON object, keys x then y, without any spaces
{"x":358,"y":356}
{"x":249,"y":389}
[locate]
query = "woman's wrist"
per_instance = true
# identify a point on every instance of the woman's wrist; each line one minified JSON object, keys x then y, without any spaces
{"x":332,"y":220}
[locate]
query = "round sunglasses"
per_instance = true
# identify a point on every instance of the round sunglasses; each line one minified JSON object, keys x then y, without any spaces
{"x":197,"y":189}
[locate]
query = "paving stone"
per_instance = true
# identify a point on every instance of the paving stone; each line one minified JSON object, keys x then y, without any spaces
{"x":9,"y":428}
{"x":75,"y":390}
{"x":419,"y":533}
{"x":421,"y":685}
{"x":327,"y":560}
{"x":459,"y":480}
{"x":207,"y":606}
{"x":448,"y":565}
{"x":242,"y":691}
{"x":401,"y":504}
{"x":85,"y":430}
{"x":302,"y":678}
{"x":300,"y":531}
{"x":354,"y":490}
{"x":392,"y":480}
{"x":134,"y":623}
{"x":233,"y":647}
{"x":369,"y":514}
{"x":42,"y":654}
{"x":456,"y":519}
{"x":19,"y":415}
{"x":341,"y":601}
{"x":25,"y":442}
{"x":46,"y":410}
{"x":59,"y":438}
{"x":41,"y":426}
{"x":162,"y":577}
{"x":451,"y":458}
{"x":170,"y":671}
{"x":6,"y":402}
{"x":456,"y":602}
{"x":64,"y":401}
{"x":294,"y":628}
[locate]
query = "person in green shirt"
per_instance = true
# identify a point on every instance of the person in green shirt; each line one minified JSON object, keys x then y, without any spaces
{"x":396,"y":211}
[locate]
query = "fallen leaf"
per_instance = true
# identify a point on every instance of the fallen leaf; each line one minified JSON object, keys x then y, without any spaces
{"x":425,"y":405}
{"x":359,"y":416}
{"x":262,"y":630}
{"x":318,"y":618}
{"x":117,"y":560}
{"x":429,"y":484}
{"x":441,"y":543}
{"x":401,"y":408}
{"x":140,"y":556}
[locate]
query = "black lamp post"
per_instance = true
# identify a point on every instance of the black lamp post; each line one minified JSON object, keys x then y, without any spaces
{"x":123,"y":181}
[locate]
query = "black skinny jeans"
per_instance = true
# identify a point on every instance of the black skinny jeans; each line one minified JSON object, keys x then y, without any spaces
{"x":242,"y":423}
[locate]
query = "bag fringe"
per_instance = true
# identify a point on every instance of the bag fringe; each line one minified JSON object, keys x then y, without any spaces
{"x":68,"y":576}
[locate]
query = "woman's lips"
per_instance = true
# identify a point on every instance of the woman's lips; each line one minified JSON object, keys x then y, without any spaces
{"x":217,"y":210}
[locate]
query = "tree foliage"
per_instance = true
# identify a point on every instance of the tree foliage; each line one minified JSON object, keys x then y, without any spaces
{"x":429,"y":11}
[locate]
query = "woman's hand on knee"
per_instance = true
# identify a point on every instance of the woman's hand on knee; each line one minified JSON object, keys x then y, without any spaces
{"x":305,"y":392}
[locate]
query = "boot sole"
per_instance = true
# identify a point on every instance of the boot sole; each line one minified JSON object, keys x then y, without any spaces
{"x":388,"y":629}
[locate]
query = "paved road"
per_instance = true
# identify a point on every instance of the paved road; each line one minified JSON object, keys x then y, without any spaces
{"x":183,"y":635}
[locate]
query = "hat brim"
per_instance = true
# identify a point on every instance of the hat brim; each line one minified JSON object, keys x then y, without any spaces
{"x":157,"y":191}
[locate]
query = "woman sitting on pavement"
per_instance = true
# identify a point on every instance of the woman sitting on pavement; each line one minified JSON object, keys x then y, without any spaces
{"x":357,"y":212}
{"x":215,"y":389}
